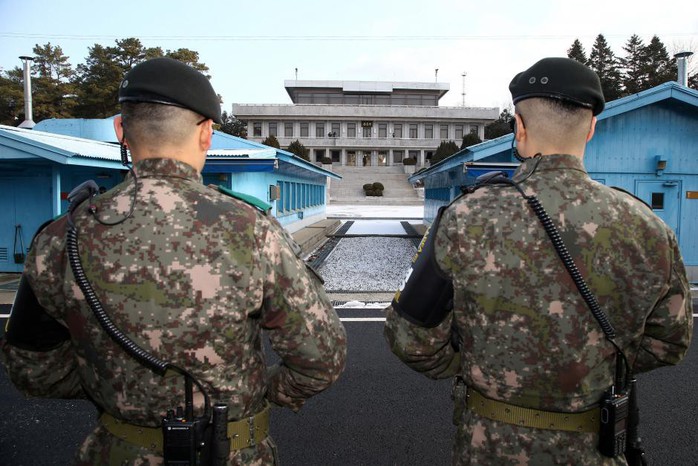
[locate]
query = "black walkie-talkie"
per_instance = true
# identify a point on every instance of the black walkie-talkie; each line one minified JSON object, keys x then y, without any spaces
{"x":179,"y":436}
{"x":614,"y":423}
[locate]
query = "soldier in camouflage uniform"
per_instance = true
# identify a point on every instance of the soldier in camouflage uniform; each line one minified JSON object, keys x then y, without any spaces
{"x":526,"y":337}
{"x":191,"y":275}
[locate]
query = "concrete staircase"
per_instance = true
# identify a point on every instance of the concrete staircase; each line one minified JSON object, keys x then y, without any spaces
{"x":349,"y":190}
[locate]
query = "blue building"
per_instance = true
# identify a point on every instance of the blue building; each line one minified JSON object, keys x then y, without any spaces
{"x":39,"y":167}
{"x":646,"y":143}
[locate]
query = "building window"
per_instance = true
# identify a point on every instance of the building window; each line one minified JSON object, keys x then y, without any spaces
{"x":474,"y":129}
{"x":397,"y":130}
{"x":272,"y":129}
{"x":351,"y":130}
{"x":257,"y":129}
{"x":429,"y":131}
{"x":382,"y":130}
{"x":459,"y":132}
{"x":414,"y":154}
{"x":397,"y":156}
{"x":657,"y":201}
{"x":336,"y":155}
{"x":320,"y":130}
{"x":304,"y":129}
{"x":366,"y":131}
{"x":413,"y":131}
{"x":288,"y":130}
{"x":444,"y":132}
{"x":319,"y":155}
{"x":336,"y":131}
{"x":286,"y":196}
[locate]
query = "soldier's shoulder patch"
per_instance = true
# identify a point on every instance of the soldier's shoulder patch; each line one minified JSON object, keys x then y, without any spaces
{"x":246,"y":198}
{"x":631,"y":195}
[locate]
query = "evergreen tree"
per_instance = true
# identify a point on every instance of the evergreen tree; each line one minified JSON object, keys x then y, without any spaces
{"x":53,"y":93}
{"x":445,"y":149}
{"x":233,"y":126}
{"x":299,"y":149}
{"x":470,"y":139}
{"x":692,"y":81}
{"x":98,"y":80}
{"x":271,"y":141}
{"x":576,"y":52}
{"x":99,"y":77}
{"x":11,"y":97}
{"x":634,"y":76}
{"x":500,"y":126}
{"x":658,"y":67}
{"x":604,"y":63}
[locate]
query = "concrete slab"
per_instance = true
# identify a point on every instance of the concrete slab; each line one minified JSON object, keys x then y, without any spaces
{"x":312,"y":236}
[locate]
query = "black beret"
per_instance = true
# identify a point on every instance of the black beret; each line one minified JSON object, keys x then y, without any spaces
{"x":171,"y":82}
{"x":559,"y":78}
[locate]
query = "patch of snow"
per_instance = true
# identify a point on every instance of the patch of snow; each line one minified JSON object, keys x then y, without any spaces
{"x":375,"y":211}
{"x":361,"y":305}
{"x":376,"y":227}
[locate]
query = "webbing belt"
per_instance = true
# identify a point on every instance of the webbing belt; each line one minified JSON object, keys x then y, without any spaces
{"x":587,"y":421}
{"x":243,"y":433}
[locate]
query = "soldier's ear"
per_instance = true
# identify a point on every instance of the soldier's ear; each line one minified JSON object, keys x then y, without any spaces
{"x":205,"y":135}
{"x":119,"y":128}
{"x":519,"y":128}
{"x":592,"y":129}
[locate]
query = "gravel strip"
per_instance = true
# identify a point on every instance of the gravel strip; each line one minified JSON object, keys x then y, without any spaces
{"x":367,"y":264}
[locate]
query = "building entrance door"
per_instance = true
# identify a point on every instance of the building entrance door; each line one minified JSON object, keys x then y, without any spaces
{"x":382,"y":159}
{"x":351,"y":158}
{"x":24,"y":206}
{"x":664,"y":198}
{"x":366,"y":157}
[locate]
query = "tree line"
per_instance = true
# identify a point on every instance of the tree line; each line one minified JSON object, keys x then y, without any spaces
{"x":643,"y":66}
{"x":89,"y":90}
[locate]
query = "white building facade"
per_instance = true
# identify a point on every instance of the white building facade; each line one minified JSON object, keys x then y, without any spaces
{"x":364,"y":123}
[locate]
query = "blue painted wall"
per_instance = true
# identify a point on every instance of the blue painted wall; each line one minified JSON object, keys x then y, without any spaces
{"x":25,"y":199}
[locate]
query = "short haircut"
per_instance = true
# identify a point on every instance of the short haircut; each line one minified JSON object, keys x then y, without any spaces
{"x":554,"y":120}
{"x":157,"y":124}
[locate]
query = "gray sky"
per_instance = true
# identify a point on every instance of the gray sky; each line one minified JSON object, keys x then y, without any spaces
{"x":252,"y":47}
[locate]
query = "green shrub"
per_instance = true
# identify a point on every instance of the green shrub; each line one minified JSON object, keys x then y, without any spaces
{"x":378,"y":186}
{"x":368,"y":187}
{"x":409,"y":161}
{"x":326,"y":160}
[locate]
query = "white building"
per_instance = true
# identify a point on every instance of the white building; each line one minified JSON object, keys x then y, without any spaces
{"x":364,"y":123}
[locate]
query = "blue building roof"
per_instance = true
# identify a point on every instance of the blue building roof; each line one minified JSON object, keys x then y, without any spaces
{"x":65,"y":150}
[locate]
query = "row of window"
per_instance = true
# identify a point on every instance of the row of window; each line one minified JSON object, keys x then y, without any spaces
{"x":366,"y":99}
{"x":298,"y":196}
{"x":367,"y":130}
{"x":353,"y":156}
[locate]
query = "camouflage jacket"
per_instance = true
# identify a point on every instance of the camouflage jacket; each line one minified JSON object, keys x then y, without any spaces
{"x":193,"y":277}
{"x":526,"y":335}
